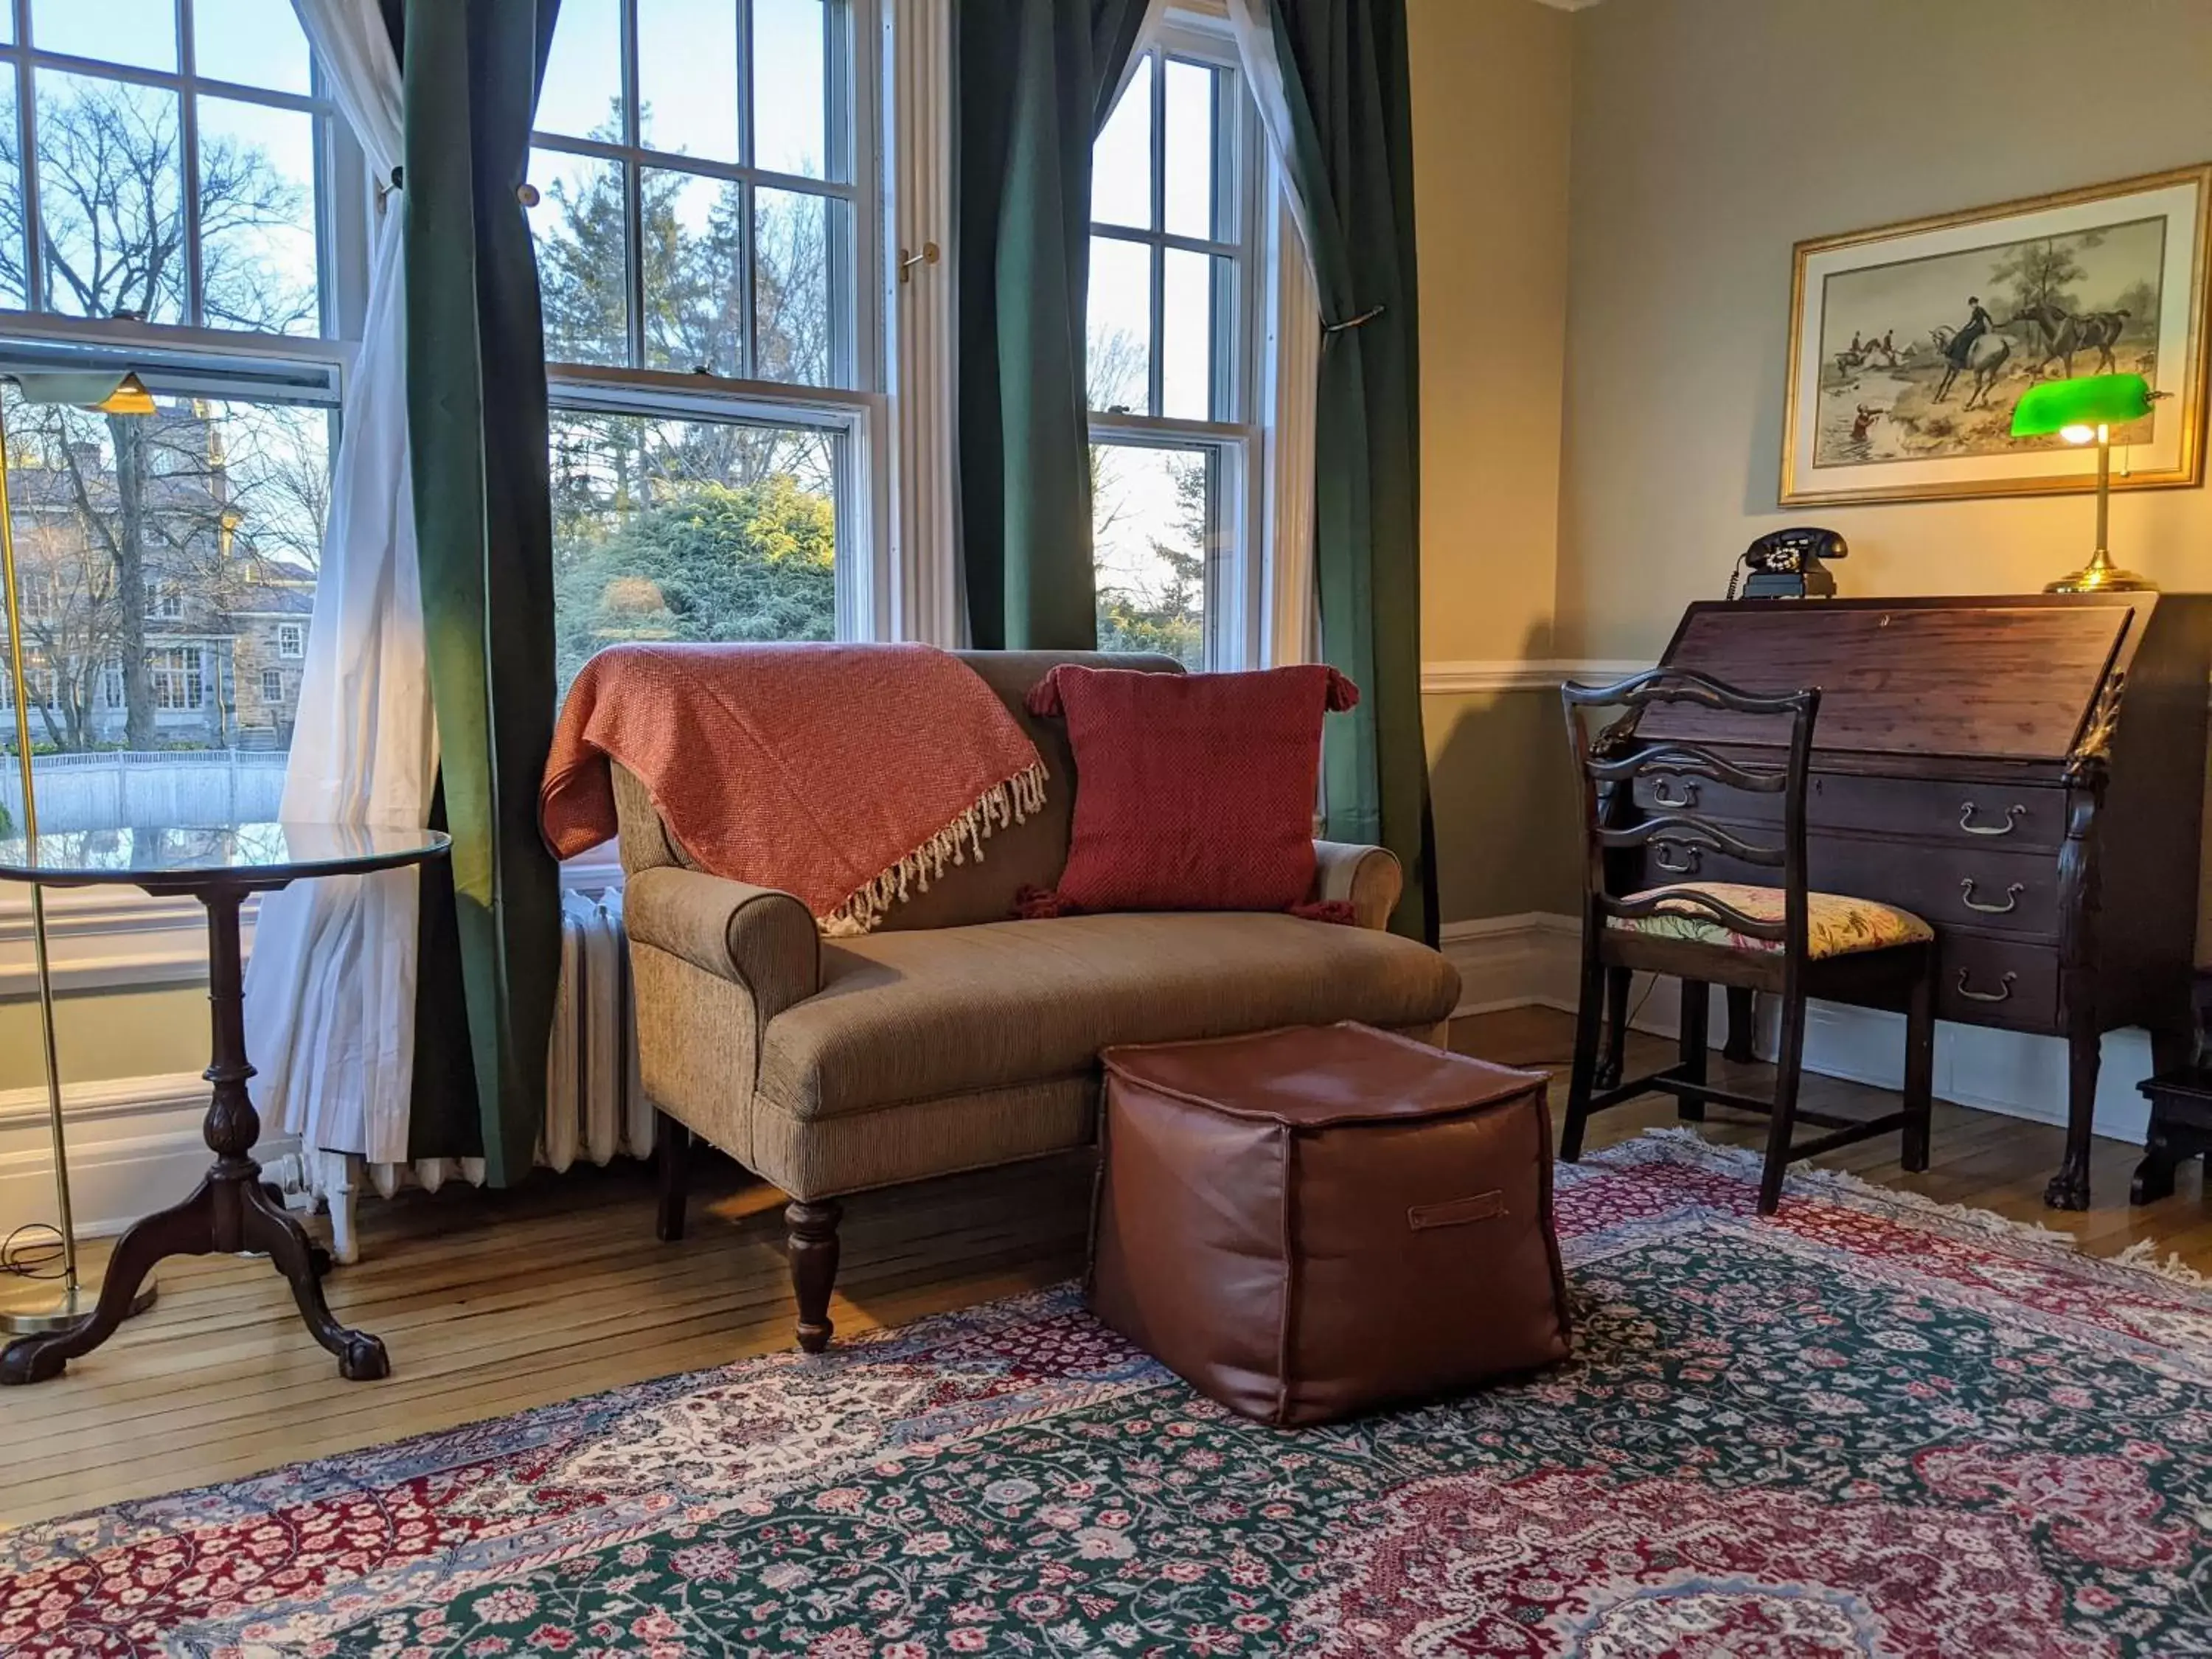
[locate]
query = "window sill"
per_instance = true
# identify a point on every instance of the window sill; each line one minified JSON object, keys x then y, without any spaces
{"x":105,"y":938}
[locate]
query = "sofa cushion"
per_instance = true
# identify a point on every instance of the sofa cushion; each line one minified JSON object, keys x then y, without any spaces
{"x":1030,"y":854}
{"x":903,"y":1016}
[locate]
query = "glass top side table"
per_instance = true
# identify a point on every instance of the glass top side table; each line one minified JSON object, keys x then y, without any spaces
{"x":231,"y":1211}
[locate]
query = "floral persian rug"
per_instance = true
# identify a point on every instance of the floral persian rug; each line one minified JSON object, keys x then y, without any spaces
{"x":1867,"y":1426}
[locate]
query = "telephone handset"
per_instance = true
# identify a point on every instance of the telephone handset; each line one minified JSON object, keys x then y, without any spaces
{"x":1785,"y":564}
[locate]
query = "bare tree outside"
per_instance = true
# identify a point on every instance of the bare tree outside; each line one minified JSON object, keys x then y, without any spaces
{"x":113,"y":510}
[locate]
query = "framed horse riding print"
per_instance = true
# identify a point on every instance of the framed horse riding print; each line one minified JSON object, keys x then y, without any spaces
{"x":1909,"y":344}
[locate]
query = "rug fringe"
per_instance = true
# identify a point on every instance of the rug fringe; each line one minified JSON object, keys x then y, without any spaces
{"x":1749,"y":1162}
{"x":1001,"y":804}
{"x":2140,"y":1257}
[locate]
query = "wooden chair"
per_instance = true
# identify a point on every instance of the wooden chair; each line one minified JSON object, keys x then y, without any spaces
{"x":1746,"y":930}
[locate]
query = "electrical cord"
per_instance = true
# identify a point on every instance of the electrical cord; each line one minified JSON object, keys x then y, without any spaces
{"x":38,"y":1257}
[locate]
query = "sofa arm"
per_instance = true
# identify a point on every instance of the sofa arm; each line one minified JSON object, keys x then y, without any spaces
{"x":757,"y":938}
{"x":1368,"y":877}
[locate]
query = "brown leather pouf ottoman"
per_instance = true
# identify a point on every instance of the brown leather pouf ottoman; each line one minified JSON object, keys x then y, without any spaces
{"x":1309,"y":1223}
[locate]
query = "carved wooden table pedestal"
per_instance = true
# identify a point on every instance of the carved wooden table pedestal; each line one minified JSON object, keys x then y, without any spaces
{"x":233,"y":1210}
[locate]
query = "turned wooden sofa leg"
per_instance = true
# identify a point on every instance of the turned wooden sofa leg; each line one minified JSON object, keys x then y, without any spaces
{"x":813,"y":1248}
{"x":672,"y":1144}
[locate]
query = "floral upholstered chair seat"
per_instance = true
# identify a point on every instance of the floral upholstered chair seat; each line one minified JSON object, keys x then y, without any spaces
{"x":1835,"y":925}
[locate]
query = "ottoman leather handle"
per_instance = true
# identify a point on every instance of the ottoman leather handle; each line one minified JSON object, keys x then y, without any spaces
{"x":1458,"y":1212}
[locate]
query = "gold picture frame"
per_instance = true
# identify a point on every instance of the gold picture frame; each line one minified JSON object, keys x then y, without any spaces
{"x":1901,"y":390}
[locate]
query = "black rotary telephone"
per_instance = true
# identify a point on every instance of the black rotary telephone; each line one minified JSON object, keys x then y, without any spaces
{"x":1785,"y":564}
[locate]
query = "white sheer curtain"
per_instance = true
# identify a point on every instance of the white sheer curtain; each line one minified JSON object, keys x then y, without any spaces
{"x":330,"y":990}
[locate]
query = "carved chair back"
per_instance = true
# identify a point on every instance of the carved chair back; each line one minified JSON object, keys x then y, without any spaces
{"x":1620,"y":830}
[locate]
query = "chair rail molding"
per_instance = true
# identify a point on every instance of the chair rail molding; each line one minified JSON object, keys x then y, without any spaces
{"x":1453,"y":679}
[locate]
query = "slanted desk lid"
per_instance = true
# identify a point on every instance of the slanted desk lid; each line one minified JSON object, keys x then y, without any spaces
{"x":1983,"y":677}
{"x":1311,"y":1077}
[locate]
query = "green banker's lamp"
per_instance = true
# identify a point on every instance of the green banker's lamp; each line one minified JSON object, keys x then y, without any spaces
{"x":102,"y":394}
{"x":2084,"y":410}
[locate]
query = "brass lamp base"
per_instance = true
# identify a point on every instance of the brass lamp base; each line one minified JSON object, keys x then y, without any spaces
{"x":2107,"y":578}
{"x":49,"y":1307}
{"x":2101,"y":575}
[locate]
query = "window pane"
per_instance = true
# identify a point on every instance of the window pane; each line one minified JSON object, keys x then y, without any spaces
{"x":1151,"y":513}
{"x":687,"y":76}
{"x":14,"y":290}
{"x":1118,"y":374}
{"x":257,"y":218}
{"x":1122,"y":160}
{"x":790,"y":91}
{"x":582,"y":96}
{"x":1191,"y":158}
{"x":579,"y":223}
{"x":155,"y":710}
{"x":798,"y":241}
{"x":256,"y":43}
{"x":1192,"y":292}
{"x":689,"y":529}
{"x":110,"y":197}
{"x":141,"y":33}
{"x":694,"y":288}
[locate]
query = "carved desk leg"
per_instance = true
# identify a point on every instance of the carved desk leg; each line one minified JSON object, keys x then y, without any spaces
{"x":2069,"y":1188}
{"x":1740,"y":1023}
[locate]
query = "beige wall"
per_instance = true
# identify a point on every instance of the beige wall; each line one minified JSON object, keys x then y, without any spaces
{"x":1491,"y":82}
{"x":107,"y":1034}
{"x":1491,"y":114}
{"x":1711,"y":134}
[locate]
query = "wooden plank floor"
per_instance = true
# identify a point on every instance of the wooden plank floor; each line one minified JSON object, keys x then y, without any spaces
{"x":495,"y":1301}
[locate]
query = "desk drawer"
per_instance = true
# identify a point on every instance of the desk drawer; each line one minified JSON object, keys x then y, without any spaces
{"x":1945,"y":886}
{"x":1993,"y":981}
{"x":2009,"y":818}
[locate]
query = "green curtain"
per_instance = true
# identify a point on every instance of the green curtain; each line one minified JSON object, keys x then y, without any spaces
{"x":1345,"y":76}
{"x":1035,"y":80}
{"x":476,"y":401}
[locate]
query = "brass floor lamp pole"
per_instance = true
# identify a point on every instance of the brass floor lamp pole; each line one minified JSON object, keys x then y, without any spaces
{"x":50,"y":1311}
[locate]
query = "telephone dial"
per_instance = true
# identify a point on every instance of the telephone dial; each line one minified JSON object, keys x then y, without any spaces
{"x":1785,"y":564}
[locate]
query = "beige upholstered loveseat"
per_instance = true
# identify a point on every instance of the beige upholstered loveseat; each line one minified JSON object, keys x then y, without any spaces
{"x":955,"y":1038}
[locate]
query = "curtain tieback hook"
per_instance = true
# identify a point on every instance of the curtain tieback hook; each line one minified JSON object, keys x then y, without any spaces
{"x":1360,"y":321}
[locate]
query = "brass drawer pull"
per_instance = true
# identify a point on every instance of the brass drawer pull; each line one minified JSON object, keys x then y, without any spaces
{"x":2005,"y":995}
{"x":2011,"y":904}
{"x":1688,"y":866}
{"x":2012,"y":816}
{"x":1660,"y":797}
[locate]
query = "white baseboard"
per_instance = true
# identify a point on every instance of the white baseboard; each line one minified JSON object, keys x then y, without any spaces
{"x":134,"y":1146}
{"x":1515,"y":961}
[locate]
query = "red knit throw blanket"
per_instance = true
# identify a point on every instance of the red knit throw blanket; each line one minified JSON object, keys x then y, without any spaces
{"x":846,"y":775}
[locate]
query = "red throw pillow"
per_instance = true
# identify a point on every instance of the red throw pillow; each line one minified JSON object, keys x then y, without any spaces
{"x":1195,"y":791}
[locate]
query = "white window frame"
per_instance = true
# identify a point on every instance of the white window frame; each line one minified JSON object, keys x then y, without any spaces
{"x":1235,"y":555}
{"x":100,"y":937}
{"x":291,"y":640}
{"x":857,"y":413}
{"x":272,"y":685}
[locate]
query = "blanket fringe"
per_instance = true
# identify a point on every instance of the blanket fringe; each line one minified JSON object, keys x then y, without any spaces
{"x":1003,"y":803}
